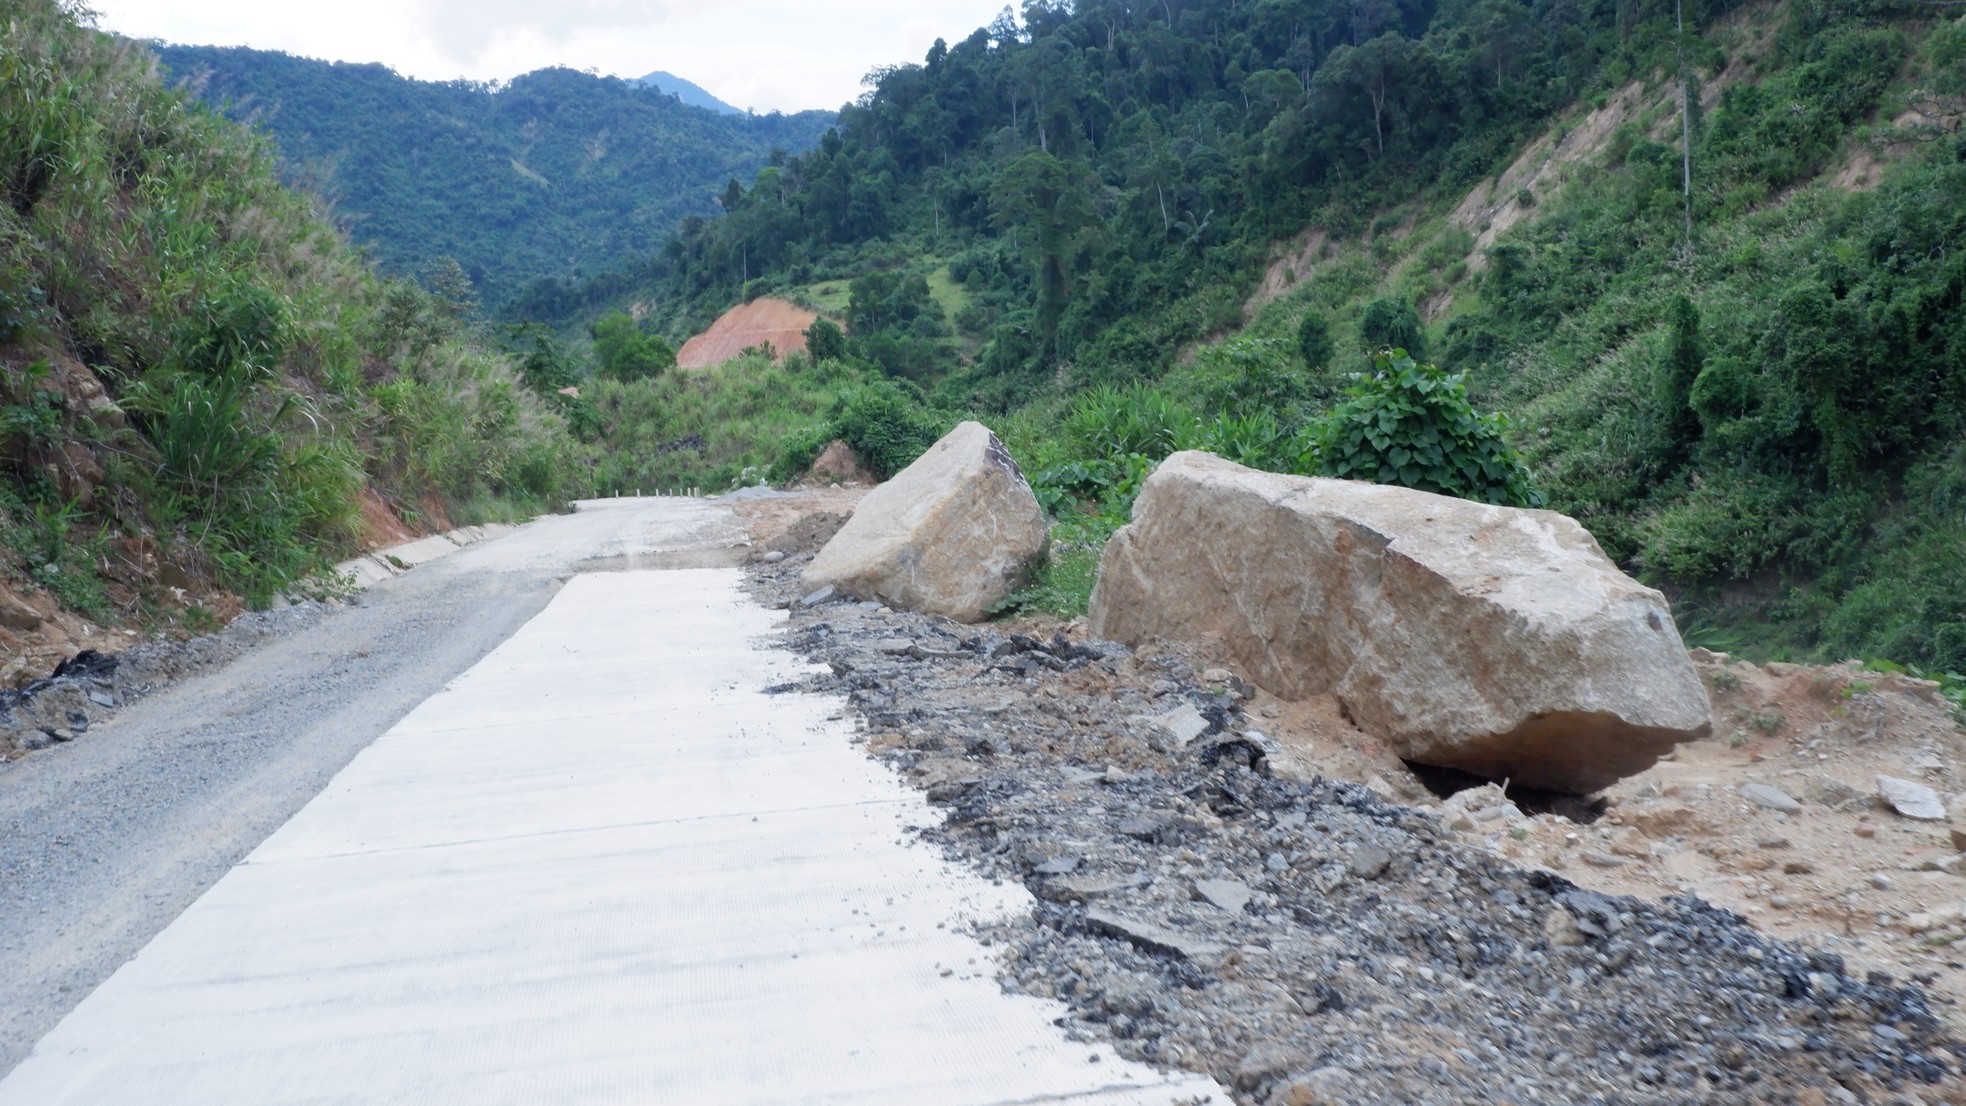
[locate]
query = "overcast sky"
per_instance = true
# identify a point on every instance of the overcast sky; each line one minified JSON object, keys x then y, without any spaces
{"x":785,"y":55}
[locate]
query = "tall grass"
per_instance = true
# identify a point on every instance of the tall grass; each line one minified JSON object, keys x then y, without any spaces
{"x":267,"y":374}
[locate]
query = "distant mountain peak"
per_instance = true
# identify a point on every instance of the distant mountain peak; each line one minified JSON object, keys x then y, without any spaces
{"x":688,"y":92}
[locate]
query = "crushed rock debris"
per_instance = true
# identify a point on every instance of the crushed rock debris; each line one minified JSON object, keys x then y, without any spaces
{"x":1377,"y":958}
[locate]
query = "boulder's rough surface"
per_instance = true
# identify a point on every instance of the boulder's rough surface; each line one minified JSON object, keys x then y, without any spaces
{"x":951,"y":534}
{"x":1497,"y":641}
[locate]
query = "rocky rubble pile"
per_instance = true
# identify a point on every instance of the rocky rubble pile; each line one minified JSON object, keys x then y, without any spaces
{"x":1307,"y":941}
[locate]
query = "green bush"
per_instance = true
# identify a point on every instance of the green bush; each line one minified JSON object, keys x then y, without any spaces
{"x":825,"y":340}
{"x":1411,"y":424}
{"x":1314,"y":341}
{"x":887,"y":425}
{"x":1391,"y":324}
{"x":623,"y":352}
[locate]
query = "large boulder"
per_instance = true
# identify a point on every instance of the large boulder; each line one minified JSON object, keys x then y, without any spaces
{"x":953,"y":534}
{"x":1498,"y":641}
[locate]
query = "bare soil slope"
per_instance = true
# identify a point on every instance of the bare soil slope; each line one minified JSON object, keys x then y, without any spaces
{"x":780,"y":322}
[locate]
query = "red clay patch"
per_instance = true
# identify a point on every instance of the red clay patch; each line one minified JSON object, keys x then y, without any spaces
{"x":779,"y":322}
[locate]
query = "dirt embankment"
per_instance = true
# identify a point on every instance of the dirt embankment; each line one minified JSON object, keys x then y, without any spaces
{"x":780,"y":322}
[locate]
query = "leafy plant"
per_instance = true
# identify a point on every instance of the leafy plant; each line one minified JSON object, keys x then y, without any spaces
{"x":1115,"y":422}
{"x":1061,"y":586}
{"x":1411,"y":424}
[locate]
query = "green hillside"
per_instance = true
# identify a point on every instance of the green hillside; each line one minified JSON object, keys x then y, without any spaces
{"x":554,"y":174}
{"x":201,"y":382}
{"x":1187,"y":225}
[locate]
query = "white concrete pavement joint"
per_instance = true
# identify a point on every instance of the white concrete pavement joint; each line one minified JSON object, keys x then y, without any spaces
{"x":602,"y":866}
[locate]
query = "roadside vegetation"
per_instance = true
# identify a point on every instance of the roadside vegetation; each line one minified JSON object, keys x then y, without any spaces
{"x":202,"y":380}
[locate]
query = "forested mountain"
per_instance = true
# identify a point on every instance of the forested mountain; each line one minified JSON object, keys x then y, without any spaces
{"x":689,"y":92}
{"x":1729,"y":339}
{"x":554,"y":174}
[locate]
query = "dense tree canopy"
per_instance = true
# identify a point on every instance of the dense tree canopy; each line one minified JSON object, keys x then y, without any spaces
{"x":555,"y":174}
{"x":1099,"y":175}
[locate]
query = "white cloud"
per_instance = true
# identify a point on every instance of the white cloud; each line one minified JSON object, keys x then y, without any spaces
{"x":764,"y":54}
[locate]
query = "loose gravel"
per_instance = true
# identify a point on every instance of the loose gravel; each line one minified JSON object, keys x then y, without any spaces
{"x":1309,"y":942}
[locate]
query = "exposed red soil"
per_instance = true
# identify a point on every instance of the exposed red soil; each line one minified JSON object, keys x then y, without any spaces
{"x":779,"y":322}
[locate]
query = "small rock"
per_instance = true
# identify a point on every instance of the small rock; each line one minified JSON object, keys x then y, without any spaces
{"x":1936,"y":918}
{"x":1913,"y":800}
{"x":1797,"y":868}
{"x":894,"y":646}
{"x":1182,"y":724}
{"x":1604,"y":860}
{"x":1771,"y":798}
{"x":1833,"y":793}
{"x":1068,"y":889}
{"x":17,"y":615}
{"x":1660,"y":819}
{"x":823,"y":595}
{"x":102,"y":698}
{"x":1773,"y":843}
{"x":1958,"y":834}
{"x":773,"y":557}
{"x":1265,"y":1062}
{"x":1057,"y":866}
{"x":1880,"y":881}
{"x":1561,"y":929}
{"x":1150,"y":936}
{"x":1323,"y":1087}
{"x":1628,"y":842}
{"x":1370,"y":861}
{"x":1142,"y":827}
{"x":1954,"y":865}
{"x":1227,"y":894}
{"x":1865,"y":829}
{"x":1216,"y":676}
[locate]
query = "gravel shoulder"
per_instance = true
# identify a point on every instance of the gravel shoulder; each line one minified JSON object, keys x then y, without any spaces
{"x":1204,"y":903}
{"x":106,"y":838}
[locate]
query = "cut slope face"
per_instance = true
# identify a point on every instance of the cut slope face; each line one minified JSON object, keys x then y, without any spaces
{"x":1494,"y":207}
{"x":780,"y":322}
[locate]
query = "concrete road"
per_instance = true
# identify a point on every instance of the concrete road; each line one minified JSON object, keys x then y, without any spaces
{"x":105,"y":840}
{"x":601,"y":865}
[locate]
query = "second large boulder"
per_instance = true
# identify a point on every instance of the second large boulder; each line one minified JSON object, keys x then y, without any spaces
{"x":1497,"y":641}
{"x":953,"y":534}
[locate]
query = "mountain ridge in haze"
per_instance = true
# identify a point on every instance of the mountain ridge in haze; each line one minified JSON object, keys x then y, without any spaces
{"x":689,"y":92}
{"x":553,"y":174}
